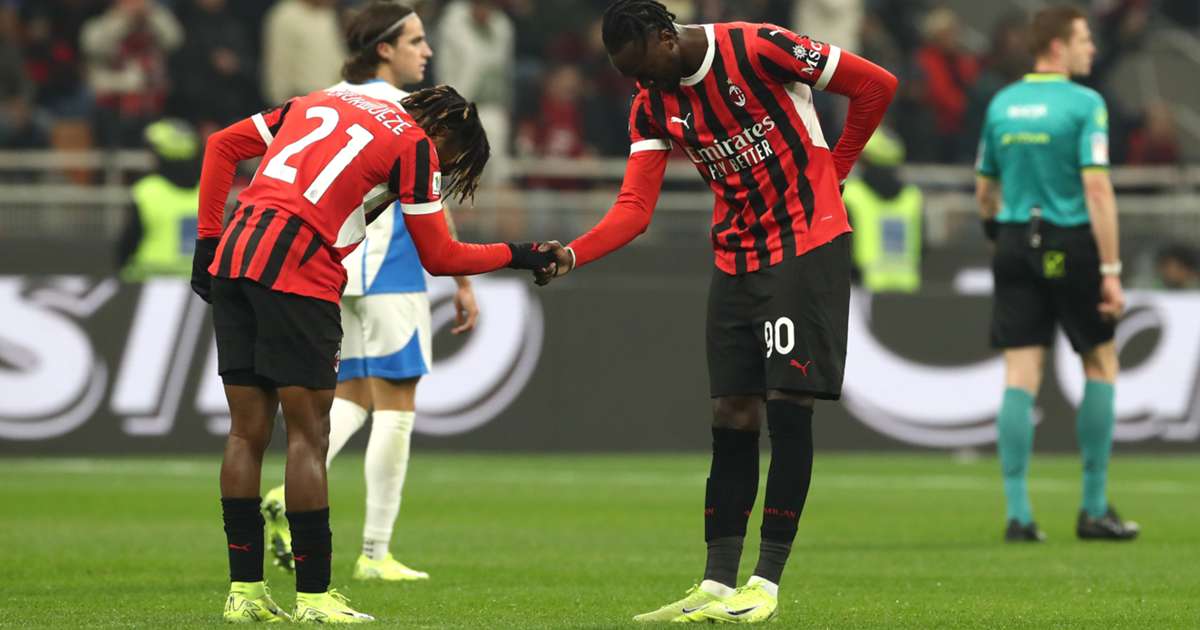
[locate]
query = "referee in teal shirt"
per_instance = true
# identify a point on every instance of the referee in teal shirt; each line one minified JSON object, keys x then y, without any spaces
{"x":1048,"y":204}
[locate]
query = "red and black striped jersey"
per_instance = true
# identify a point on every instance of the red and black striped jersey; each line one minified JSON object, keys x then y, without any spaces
{"x":747,"y":122}
{"x":333,"y":159}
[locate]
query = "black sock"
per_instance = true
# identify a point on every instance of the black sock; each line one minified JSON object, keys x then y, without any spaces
{"x":244,"y":536}
{"x":790,"y":427}
{"x":312,"y":549}
{"x":724,"y":556}
{"x":729,"y":497}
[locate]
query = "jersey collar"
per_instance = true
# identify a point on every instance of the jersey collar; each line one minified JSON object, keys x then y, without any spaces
{"x":378,"y":88}
{"x":706,"y":65}
{"x":1045,"y":77}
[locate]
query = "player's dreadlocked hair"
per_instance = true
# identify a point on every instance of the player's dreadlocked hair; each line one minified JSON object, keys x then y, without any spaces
{"x":373,"y":25}
{"x":631,"y":20}
{"x":453,"y":123}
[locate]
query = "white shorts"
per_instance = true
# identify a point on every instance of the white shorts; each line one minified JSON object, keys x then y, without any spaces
{"x":385,"y":336}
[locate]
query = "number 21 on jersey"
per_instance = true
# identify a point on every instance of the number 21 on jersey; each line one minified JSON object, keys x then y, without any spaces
{"x":277,"y":167}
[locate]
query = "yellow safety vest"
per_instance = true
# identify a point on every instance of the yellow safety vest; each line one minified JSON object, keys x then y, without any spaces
{"x":887,"y":237}
{"x":168,"y":215}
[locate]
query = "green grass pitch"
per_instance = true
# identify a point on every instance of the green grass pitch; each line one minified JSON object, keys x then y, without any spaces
{"x":516,"y":541}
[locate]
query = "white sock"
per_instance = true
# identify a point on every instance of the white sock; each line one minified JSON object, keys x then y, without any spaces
{"x":770,"y":586}
{"x":375,"y":549}
{"x":718,"y":589}
{"x":386,"y":466}
{"x":345,"y":419}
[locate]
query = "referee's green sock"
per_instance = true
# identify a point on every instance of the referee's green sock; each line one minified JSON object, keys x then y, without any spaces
{"x":1015,"y":444}
{"x":1094,"y":428}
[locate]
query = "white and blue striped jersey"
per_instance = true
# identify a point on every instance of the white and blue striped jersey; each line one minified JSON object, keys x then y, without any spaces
{"x":386,"y":261}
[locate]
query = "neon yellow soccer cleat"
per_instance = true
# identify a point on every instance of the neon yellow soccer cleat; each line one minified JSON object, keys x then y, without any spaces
{"x":328,"y":607}
{"x":388,"y":570}
{"x":250,"y":602}
{"x":752,"y":603}
{"x":279,"y":534}
{"x":695,"y":599}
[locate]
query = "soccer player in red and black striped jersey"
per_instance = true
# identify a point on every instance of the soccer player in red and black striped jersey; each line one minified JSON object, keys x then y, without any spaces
{"x":737,"y":99}
{"x":332,"y":160}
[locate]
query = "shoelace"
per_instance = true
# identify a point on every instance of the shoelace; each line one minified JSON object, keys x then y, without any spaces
{"x":744,"y":589}
{"x":275,"y":608}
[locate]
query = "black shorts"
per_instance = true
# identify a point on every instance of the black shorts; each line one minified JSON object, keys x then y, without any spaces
{"x":270,"y":338}
{"x":1038,"y":287}
{"x":782,"y":327}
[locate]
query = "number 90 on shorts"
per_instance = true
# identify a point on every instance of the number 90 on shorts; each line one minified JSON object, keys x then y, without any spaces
{"x":781,"y":328}
{"x":779,"y":336}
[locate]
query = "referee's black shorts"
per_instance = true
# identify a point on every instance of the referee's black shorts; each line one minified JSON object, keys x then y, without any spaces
{"x":268,"y":338}
{"x":1038,"y":287}
{"x":782,"y":327}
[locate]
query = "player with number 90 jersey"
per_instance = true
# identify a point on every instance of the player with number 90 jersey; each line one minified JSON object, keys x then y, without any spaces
{"x":333,"y":159}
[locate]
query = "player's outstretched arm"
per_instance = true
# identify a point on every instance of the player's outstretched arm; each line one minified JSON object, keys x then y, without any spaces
{"x":628,"y":217}
{"x":441,"y":255}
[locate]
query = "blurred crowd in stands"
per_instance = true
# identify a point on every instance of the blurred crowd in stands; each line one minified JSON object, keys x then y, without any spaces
{"x":93,"y":73}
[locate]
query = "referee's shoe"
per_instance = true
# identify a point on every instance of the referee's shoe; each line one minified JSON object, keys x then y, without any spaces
{"x":1106,"y":527}
{"x":1016,"y":532}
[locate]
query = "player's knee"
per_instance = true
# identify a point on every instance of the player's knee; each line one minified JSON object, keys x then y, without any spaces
{"x":357,"y":391}
{"x":789,"y":415}
{"x":741,"y":413}
{"x":318,"y":437}
{"x":1028,"y":382}
{"x":1100,"y":363}
{"x":308,"y":443}
{"x":1023,"y":371}
{"x":253,"y":432}
{"x":310,"y":433}
{"x":394,"y":394}
{"x":1099,"y":373}
{"x":255,"y":439}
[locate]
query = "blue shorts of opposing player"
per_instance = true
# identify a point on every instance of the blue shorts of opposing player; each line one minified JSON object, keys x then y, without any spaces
{"x":385,"y":336}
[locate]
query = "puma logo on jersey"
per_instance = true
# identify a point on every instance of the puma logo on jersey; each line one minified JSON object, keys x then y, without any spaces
{"x":685,"y":121}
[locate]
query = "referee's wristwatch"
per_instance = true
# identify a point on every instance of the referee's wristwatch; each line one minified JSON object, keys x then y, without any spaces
{"x":1110,"y":269}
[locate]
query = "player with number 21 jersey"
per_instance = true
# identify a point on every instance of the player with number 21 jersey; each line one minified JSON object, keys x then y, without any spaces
{"x":332,"y":160}
{"x":275,"y":231}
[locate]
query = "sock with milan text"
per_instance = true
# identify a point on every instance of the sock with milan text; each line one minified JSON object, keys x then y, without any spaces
{"x":728,"y":498}
{"x":788,"y":479}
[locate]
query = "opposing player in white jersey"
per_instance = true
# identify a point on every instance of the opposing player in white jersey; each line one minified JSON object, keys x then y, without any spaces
{"x":386,"y":346}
